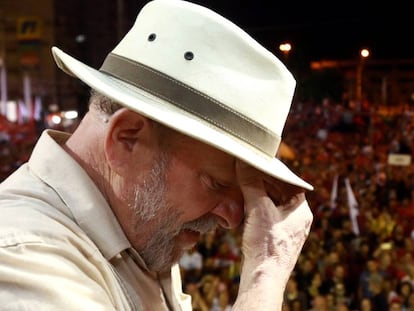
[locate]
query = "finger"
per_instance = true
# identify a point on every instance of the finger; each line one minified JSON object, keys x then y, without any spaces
{"x":250,"y":181}
{"x":301,"y":215}
{"x":281,"y":192}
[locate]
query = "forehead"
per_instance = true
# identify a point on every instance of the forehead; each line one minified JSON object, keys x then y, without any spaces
{"x":200,"y":155}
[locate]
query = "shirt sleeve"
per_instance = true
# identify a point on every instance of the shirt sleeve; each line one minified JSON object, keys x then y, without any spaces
{"x":42,"y":276}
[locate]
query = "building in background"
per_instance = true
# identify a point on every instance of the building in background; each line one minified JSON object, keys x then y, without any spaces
{"x":26,"y":27}
{"x":87,"y":30}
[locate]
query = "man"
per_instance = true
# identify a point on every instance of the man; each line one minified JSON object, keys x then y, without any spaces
{"x":183,"y":125}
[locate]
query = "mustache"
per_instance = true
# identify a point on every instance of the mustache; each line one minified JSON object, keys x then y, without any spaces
{"x":203,"y":225}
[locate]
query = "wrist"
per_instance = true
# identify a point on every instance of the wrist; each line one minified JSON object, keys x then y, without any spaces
{"x":261,"y":285}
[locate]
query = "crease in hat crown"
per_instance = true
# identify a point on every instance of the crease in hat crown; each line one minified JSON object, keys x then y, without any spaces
{"x":227,"y":89}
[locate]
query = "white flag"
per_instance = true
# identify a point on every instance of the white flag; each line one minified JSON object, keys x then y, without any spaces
{"x":353,"y":206}
{"x":3,"y":89}
{"x":23,"y":113}
{"x":334,"y":192}
{"x":37,"y":110}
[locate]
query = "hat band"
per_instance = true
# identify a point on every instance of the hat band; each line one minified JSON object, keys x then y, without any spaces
{"x":191,"y":100}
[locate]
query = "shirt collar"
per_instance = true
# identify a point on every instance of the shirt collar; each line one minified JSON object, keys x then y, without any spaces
{"x":77,"y":190}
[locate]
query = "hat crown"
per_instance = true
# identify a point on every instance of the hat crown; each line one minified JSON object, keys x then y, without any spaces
{"x":208,"y":53}
{"x":191,"y":69}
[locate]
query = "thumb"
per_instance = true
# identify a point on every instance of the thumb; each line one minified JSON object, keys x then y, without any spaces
{"x":250,"y":181}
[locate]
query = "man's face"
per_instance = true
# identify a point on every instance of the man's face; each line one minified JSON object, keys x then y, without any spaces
{"x":191,"y":188}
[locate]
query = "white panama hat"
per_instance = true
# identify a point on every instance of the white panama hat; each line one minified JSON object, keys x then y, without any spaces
{"x":191,"y":69}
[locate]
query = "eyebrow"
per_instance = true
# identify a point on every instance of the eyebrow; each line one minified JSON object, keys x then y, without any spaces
{"x":226,"y":180}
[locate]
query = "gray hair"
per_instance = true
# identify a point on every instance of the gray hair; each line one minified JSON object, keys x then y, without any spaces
{"x":103,"y":103}
{"x":107,"y":106}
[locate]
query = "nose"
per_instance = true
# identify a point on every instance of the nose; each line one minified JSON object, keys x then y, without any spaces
{"x":230,"y":211}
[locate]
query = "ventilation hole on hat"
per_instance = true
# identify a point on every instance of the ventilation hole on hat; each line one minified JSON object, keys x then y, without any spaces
{"x":152,"y":37}
{"x":188,"y":55}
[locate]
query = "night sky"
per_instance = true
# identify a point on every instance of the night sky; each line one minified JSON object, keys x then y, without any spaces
{"x":320,"y":30}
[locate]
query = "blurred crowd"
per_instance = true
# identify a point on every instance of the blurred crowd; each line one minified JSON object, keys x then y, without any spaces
{"x":359,"y":255}
{"x":16,"y":144}
{"x":351,"y":261}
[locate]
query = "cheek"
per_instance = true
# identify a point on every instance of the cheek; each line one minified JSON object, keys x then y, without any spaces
{"x":189,"y":196}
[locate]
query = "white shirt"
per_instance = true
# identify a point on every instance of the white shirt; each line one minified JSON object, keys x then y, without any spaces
{"x":62,"y":248}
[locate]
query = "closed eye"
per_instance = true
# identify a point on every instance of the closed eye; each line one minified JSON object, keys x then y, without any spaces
{"x":217,"y":185}
{"x":213,"y":183}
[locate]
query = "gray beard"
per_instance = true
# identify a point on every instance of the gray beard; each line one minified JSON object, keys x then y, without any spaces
{"x":151,"y":205}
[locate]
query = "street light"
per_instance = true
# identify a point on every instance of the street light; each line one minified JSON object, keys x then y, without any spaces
{"x":285,"y":48}
{"x":364,"y":53}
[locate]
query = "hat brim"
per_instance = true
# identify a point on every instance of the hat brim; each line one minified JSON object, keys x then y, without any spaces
{"x":162,"y":111}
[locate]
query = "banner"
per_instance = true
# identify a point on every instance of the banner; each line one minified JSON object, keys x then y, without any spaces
{"x":399,"y":159}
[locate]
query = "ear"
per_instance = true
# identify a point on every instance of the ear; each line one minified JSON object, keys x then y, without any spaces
{"x":130,"y":138}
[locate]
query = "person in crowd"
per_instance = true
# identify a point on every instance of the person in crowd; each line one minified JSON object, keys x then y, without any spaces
{"x":338,"y":284}
{"x":379,"y":299}
{"x":319,"y":303}
{"x":222,"y":301}
{"x":304,"y":271}
{"x":371,"y":270}
{"x":185,"y":118}
{"x":341,"y":306}
{"x":198,"y":302}
{"x":314,"y":288}
{"x":294,"y":295}
{"x":365,"y":304}
{"x":210,"y":284}
{"x":389,"y":285}
{"x":395,"y":305}
{"x":404,"y":291}
{"x":410,"y":305}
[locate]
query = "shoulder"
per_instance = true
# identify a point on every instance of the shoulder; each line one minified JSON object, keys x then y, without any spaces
{"x":47,"y":252}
